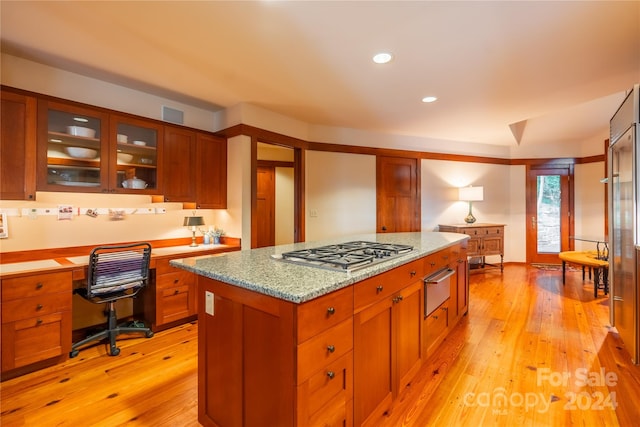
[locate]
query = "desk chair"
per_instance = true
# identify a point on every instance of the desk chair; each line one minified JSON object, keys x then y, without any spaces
{"x":115,"y":272}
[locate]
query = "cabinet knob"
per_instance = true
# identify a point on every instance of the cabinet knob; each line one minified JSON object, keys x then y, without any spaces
{"x":379,"y":289}
{"x":39,"y":285}
{"x":39,"y":307}
{"x":433,"y":264}
{"x":176,"y":292}
{"x":39,"y":322}
{"x":331,"y":348}
{"x":434,"y":316}
{"x":398,"y":298}
{"x":331,"y":310}
{"x":412,"y":273}
{"x":331,"y":375}
{"x":176,"y":281}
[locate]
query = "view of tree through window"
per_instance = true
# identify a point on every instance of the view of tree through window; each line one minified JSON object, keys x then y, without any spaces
{"x":548,"y":211}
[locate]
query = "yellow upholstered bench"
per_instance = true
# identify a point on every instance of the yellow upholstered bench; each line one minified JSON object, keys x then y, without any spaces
{"x":588,"y":259}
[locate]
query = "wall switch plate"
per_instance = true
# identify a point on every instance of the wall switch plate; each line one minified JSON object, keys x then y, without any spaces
{"x":208,"y":303}
{"x":313,"y":213}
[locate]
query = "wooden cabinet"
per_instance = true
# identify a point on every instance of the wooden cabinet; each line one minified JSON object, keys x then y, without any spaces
{"x":170,"y":298}
{"x":211,"y":172}
{"x":73,"y":148}
{"x":17,"y":146}
{"x":459,"y":289}
{"x":194,"y":168}
{"x":387,"y":338}
{"x":485,"y":239}
{"x":286,"y":363}
{"x":65,"y":146}
{"x":90,"y":150}
{"x":179,"y":165}
{"x":135,"y":154}
{"x":324,"y":378}
{"x":435,"y":327}
{"x":36,"y":319}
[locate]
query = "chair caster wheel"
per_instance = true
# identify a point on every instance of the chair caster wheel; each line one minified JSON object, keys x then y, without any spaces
{"x":114,"y":351}
{"x":73,"y":353}
{"x":149,"y":334}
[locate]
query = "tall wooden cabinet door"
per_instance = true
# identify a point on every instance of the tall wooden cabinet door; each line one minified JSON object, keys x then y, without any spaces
{"x":398,"y":194}
{"x":211,"y":172}
{"x":408,"y":314}
{"x":17,"y":147}
{"x":179,"y":165}
{"x":372,"y":362}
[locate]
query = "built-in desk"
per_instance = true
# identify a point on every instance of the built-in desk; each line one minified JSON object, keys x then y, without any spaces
{"x":36,"y":302}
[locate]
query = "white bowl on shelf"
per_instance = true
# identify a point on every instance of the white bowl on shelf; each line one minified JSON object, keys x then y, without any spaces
{"x":81,"y":152}
{"x":139,"y":143}
{"x":81,"y":131}
{"x":125,"y":157}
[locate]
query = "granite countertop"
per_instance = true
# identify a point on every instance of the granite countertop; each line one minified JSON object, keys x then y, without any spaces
{"x":258,"y":271}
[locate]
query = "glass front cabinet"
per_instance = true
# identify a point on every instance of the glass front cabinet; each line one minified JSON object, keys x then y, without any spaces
{"x":88,"y":150}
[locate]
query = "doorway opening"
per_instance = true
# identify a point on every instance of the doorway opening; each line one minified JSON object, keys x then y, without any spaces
{"x":549,"y":213}
{"x":275,"y":215}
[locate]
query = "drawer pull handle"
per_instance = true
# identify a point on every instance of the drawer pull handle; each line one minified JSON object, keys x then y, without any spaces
{"x":39,"y":285}
{"x":398,"y":299}
{"x":412,"y":273}
{"x":39,"y":322}
{"x":176,"y":281}
{"x":331,"y":375}
{"x":433,"y":264}
{"x":39,"y":307}
{"x":331,"y":348}
{"x":176,"y":292}
{"x":379,"y":289}
{"x":435,"y":317}
{"x":331,"y":310}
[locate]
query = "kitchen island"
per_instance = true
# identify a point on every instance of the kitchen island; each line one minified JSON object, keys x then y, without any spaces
{"x":282,"y":344}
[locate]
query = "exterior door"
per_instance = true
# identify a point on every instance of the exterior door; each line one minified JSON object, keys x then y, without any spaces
{"x":398,"y":195}
{"x":549,"y":213}
{"x":266,"y":206}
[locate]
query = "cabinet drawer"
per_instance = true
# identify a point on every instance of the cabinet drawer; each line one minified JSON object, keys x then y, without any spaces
{"x":317,"y":352}
{"x":175,"y":303}
{"x":436,"y":324}
{"x":322,"y":313}
{"x":35,"y":306}
{"x":38,"y":284}
{"x":387,"y":284}
{"x":492,"y":231}
{"x":174,"y":279}
{"x":334,"y":381}
{"x":32,"y":340}
{"x":163,"y":266}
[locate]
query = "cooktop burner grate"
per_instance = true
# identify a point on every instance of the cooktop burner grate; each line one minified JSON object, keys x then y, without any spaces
{"x":346,"y":256}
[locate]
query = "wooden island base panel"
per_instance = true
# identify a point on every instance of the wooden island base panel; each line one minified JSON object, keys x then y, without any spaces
{"x":340,"y":358}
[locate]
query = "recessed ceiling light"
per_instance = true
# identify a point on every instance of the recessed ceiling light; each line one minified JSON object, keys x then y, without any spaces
{"x":429,"y":99}
{"x":382,"y":58}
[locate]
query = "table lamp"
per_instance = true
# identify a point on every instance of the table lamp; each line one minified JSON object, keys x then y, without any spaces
{"x":193,"y":222}
{"x":470,"y":194}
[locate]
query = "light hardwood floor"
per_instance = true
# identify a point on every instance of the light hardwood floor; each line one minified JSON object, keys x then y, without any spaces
{"x":519,"y":358}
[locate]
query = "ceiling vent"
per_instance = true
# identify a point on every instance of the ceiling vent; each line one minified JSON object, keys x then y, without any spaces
{"x":172,"y":115}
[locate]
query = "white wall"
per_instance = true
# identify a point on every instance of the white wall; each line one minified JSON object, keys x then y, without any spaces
{"x":440,"y":183}
{"x":341,"y":189}
{"x":590,"y":204}
{"x":284,"y":206}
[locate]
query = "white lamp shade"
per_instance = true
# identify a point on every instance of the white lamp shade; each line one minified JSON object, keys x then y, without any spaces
{"x":471,"y":194}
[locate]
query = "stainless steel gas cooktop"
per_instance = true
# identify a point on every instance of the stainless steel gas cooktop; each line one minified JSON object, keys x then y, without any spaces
{"x":347,"y":256}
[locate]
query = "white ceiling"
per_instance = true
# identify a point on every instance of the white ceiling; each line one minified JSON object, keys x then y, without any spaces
{"x":554,"y":72}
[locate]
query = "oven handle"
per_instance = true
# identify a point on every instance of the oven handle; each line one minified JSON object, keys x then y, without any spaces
{"x":440,"y":276}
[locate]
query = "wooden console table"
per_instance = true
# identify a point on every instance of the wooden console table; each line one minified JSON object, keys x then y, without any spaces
{"x":485,"y":239}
